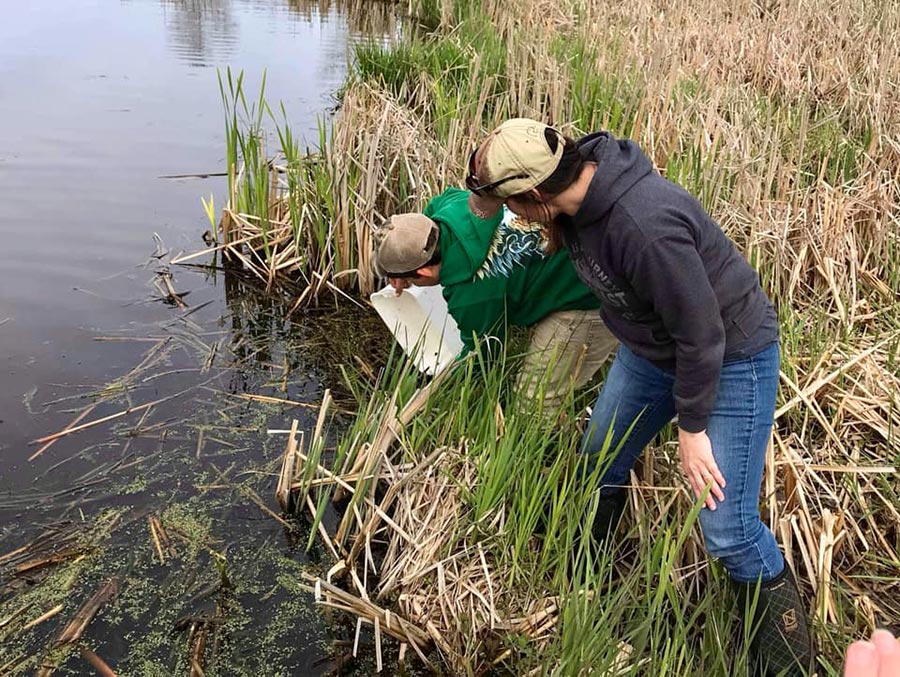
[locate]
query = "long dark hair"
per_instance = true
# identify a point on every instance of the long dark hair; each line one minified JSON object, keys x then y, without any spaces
{"x":570,"y":166}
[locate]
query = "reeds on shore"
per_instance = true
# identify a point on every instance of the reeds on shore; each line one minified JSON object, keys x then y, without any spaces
{"x":464,"y":532}
{"x":781,"y":119}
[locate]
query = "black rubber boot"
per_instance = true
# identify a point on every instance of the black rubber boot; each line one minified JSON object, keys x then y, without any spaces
{"x":781,"y":644}
{"x":609,"y":512}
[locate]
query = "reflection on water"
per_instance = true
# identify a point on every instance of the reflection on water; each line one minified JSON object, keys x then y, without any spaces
{"x":205,"y":32}
{"x":365,"y":18}
{"x":201,"y":32}
{"x":264,"y":331}
{"x":109,"y":96}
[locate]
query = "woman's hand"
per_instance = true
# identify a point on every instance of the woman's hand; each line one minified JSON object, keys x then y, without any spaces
{"x":700,"y":467}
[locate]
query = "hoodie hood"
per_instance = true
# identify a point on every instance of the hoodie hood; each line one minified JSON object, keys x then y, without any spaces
{"x":465,"y":240}
{"x":620,"y":165}
{"x":472,"y":247}
{"x":495,"y":272}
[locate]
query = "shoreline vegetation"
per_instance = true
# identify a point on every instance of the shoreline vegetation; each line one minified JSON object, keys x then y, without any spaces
{"x":782,"y":119}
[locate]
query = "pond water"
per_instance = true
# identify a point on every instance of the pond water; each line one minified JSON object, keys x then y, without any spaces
{"x":98,"y":100}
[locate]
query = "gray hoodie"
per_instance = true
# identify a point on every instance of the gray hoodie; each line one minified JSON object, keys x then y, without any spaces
{"x":672,"y":286}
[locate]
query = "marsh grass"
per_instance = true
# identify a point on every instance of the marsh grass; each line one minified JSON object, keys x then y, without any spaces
{"x":464,"y":520}
{"x":782,"y":120}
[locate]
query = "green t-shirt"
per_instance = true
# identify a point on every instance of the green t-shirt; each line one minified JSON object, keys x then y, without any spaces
{"x":495,"y":271}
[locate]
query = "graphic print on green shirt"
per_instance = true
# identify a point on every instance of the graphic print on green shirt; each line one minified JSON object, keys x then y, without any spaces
{"x":515,"y":242}
{"x":496,"y":272}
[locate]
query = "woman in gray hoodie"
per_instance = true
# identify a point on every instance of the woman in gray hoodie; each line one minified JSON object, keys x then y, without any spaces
{"x":699,"y":339}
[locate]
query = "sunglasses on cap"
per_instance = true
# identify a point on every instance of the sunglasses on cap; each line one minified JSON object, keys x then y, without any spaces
{"x":487,"y":188}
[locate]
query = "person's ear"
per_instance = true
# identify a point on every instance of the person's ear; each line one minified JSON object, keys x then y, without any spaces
{"x":429,"y":272}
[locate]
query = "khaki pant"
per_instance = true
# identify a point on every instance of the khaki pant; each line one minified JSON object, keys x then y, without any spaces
{"x":566,"y":350}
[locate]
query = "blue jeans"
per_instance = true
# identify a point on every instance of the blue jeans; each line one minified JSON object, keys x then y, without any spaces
{"x":636,"y":391}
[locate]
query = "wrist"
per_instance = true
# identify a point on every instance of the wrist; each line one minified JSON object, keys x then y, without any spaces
{"x":484,"y":207}
{"x":692,"y":423}
{"x":477,"y":211}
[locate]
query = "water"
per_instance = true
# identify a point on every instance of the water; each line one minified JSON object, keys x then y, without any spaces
{"x":98,"y":99}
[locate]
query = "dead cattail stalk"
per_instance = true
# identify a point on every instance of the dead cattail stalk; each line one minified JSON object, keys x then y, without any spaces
{"x":85,"y":614}
{"x":286,"y":476}
{"x":161,"y":540}
{"x":96,"y":662}
{"x":74,"y":422}
{"x":105,"y":419}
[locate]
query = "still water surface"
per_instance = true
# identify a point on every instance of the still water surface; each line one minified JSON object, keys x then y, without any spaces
{"x":98,"y":99}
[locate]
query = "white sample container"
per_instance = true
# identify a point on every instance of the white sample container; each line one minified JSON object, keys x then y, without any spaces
{"x":419,"y":320}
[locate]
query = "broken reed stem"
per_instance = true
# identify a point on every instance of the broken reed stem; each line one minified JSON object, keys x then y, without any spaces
{"x":105,"y":419}
{"x":155,"y":536}
{"x":804,"y":394}
{"x":96,"y":662}
{"x":388,"y":432}
{"x":277,"y":400}
{"x":161,"y":540}
{"x":288,"y":463}
{"x":171,"y":294}
{"x":68,"y":428}
{"x":197,"y":642}
{"x":85,"y":614}
{"x":324,"y":533}
{"x":391,"y":622}
{"x":369,"y":528}
{"x":43,"y":617}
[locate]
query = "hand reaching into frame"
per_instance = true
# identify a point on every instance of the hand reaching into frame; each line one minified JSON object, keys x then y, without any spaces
{"x":878,"y":657}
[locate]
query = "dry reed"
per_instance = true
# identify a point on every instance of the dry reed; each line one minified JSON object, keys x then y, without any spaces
{"x":781,"y":118}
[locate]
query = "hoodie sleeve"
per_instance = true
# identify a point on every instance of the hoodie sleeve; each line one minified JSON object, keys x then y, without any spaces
{"x":670,"y":273}
{"x":477,"y":304}
{"x":480,"y":315}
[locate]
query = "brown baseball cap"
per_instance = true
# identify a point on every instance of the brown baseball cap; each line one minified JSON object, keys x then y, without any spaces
{"x":403,"y":244}
{"x":517,"y":157}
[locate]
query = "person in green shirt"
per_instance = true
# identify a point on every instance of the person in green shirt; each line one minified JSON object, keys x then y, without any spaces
{"x":495,"y":272}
